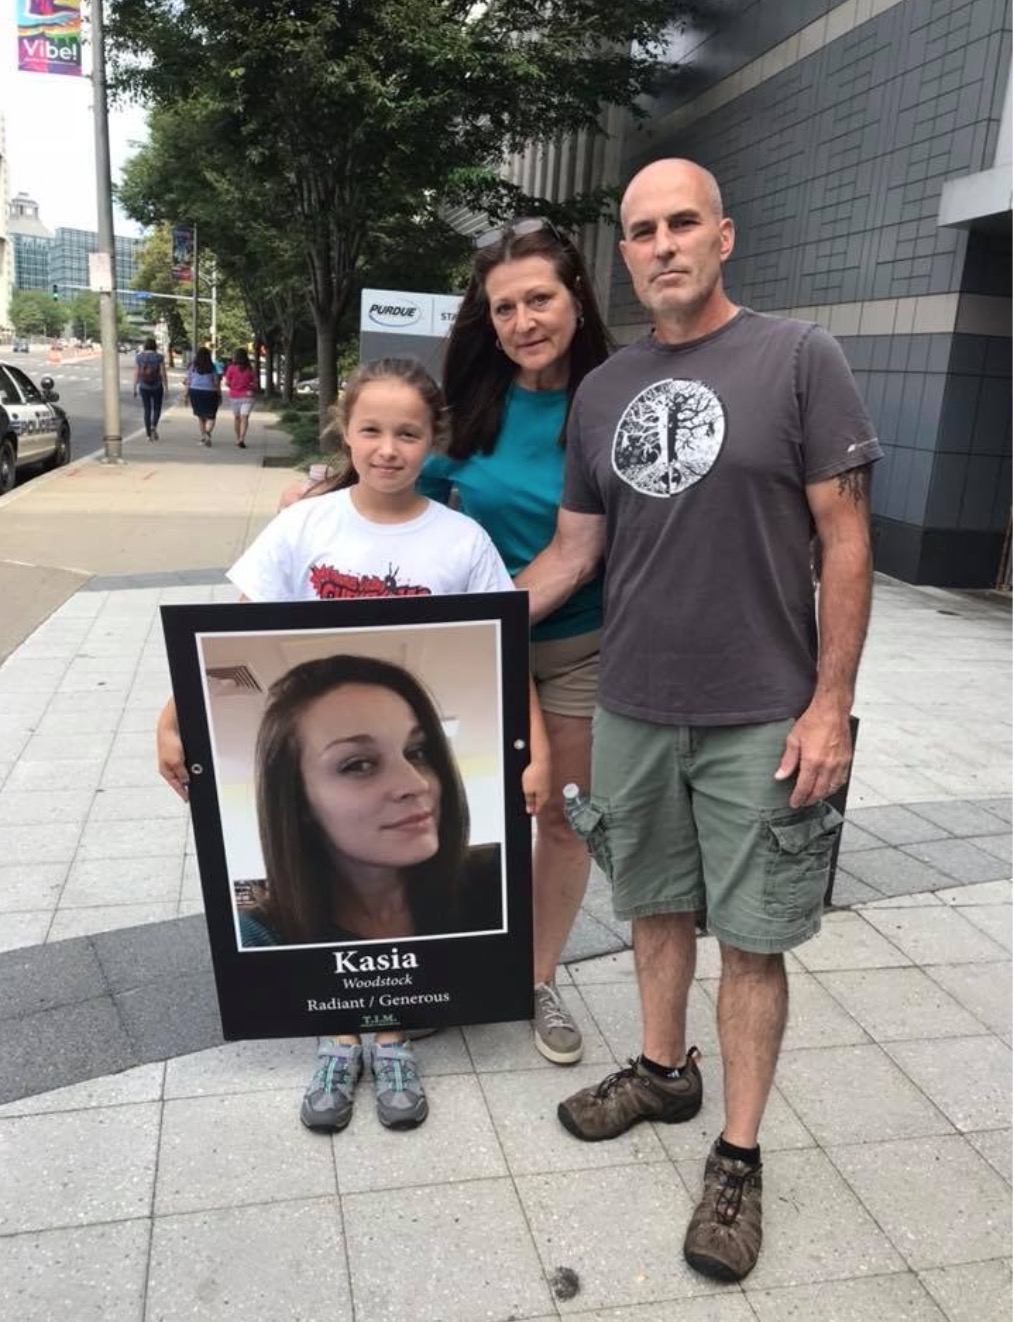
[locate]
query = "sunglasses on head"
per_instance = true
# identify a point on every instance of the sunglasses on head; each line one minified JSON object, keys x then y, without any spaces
{"x":517,"y":229}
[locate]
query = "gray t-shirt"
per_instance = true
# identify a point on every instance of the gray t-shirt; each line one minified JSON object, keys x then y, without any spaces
{"x":698,"y":456}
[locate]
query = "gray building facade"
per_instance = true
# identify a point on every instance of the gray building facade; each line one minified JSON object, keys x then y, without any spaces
{"x":863,"y":150}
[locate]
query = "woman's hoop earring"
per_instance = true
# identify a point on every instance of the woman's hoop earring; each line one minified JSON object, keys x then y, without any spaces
{"x":498,"y":344}
{"x":580,"y":319}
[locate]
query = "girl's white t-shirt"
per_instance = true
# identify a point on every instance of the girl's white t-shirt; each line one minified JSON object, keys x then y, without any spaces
{"x":321,"y":548}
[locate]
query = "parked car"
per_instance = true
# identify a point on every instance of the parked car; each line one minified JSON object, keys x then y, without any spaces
{"x":33,"y":429}
{"x":21,"y":346}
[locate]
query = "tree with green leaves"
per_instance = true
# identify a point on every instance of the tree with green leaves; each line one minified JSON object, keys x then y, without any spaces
{"x":36,"y":312}
{"x":357,"y":117}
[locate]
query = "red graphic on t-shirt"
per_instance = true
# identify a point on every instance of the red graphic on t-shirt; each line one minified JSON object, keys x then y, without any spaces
{"x":331,"y":584}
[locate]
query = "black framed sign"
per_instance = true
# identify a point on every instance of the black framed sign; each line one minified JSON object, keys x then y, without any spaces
{"x":355,"y":789}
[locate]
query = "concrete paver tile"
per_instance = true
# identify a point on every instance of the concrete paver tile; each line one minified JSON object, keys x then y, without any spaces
{"x":270,"y":1064}
{"x":109,"y":881}
{"x":969,"y":1079}
{"x":994,"y":920}
{"x":146,"y":804}
{"x":72,"y":922}
{"x":83,"y":774}
{"x":895,"y":872}
{"x":995,"y":1146}
{"x":730,"y":1306}
{"x":18,"y":930}
{"x":43,"y":807}
{"x":915,"y":900}
{"x":59,"y":1046}
{"x":897,"y":1298}
{"x":897,"y":1004}
{"x":133,"y":773}
{"x":80,"y":722}
{"x":398,"y":1250}
{"x":511,"y":1046}
{"x":854,"y":838}
{"x":620,"y":1229}
{"x":27,"y":844}
{"x":1000,"y":807}
{"x":523,"y":1106}
{"x":849,"y":941}
{"x":1000,"y":846}
{"x":982,"y":892}
{"x":104,"y":1170}
{"x":31,"y":886}
{"x":896,"y":825}
{"x":854,"y":1095}
{"x":692,"y":1139}
{"x":849,"y":891}
{"x":939,"y":935}
{"x":100,"y":1271}
{"x":958,"y":817}
{"x":815,"y":1229}
{"x":984,"y":989}
{"x":119,"y":839}
{"x":936,"y":1198}
{"x":67,"y":747}
{"x":456,"y":1143}
{"x":961,"y":860}
{"x":979,"y":1292}
{"x":141,"y":1084}
{"x":617,"y":1011}
{"x":272,"y":1260}
{"x":201,"y":1165}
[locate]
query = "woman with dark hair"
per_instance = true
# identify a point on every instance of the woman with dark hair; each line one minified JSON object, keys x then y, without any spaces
{"x":203,"y":391}
{"x":527,"y":333}
{"x":363,"y":818}
{"x":241,"y":382}
{"x":151,"y":383}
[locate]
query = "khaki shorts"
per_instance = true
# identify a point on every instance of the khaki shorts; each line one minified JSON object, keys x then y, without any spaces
{"x":566,"y":673}
{"x":242,"y":406}
{"x":693,"y":819}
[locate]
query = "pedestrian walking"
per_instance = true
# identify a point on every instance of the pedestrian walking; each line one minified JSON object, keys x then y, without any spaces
{"x":203,"y":392}
{"x":241,"y":383}
{"x":150,"y":383}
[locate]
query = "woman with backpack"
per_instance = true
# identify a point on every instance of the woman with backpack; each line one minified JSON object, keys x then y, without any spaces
{"x":151,"y":382}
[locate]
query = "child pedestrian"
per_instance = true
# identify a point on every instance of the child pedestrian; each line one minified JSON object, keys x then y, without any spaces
{"x":370,"y":518}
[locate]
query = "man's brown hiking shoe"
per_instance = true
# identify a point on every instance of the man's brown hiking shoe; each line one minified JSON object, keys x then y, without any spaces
{"x":724,"y":1237}
{"x":622,"y":1099}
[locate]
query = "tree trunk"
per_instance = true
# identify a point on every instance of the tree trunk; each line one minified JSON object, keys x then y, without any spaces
{"x":289,"y":373}
{"x":327,"y":374}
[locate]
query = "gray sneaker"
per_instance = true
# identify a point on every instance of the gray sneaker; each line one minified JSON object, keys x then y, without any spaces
{"x":327,"y":1102}
{"x":557,"y":1036}
{"x":401,"y":1101}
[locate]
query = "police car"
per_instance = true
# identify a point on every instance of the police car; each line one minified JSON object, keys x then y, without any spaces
{"x":33,"y":430}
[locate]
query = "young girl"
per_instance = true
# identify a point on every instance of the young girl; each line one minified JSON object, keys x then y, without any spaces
{"x":241,"y":383}
{"x":371,"y":534}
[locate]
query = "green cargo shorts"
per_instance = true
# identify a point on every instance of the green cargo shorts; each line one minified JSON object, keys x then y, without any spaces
{"x":693,"y":820}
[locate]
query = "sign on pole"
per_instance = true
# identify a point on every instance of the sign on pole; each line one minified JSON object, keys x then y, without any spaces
{"x":396,"y":324}
{"x":49,"y":36}
{"x":183,"y":254}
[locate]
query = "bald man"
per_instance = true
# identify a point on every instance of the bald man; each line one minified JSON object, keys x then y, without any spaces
{"x":700,"y":460}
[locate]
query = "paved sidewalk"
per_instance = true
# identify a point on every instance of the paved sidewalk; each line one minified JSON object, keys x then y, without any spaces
{"x":148,"y":1171}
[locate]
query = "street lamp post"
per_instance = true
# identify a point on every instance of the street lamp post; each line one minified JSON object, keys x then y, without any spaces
{"x":112,"y":440}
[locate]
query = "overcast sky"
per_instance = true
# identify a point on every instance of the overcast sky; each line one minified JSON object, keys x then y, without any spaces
{"x":51,"y":138}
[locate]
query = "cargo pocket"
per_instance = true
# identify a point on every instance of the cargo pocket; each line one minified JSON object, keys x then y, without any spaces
{"x":800,"y":842}
{"x":594,"y":831}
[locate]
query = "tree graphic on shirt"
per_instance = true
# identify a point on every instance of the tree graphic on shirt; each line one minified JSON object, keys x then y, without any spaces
{"x":669,"y":437}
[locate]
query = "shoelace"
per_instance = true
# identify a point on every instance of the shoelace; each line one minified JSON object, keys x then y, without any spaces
{"x":332,"y":1066}
{"x":732,"y":1185}
{"x":552,"y":1008}
{"x":403,"y":1070}
{"x":612,"y":1081}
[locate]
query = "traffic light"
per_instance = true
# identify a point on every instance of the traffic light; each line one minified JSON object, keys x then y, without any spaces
{"x":56,"y":290}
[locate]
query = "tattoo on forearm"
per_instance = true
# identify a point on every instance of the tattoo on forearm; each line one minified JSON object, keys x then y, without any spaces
{"x":855,"y":484}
